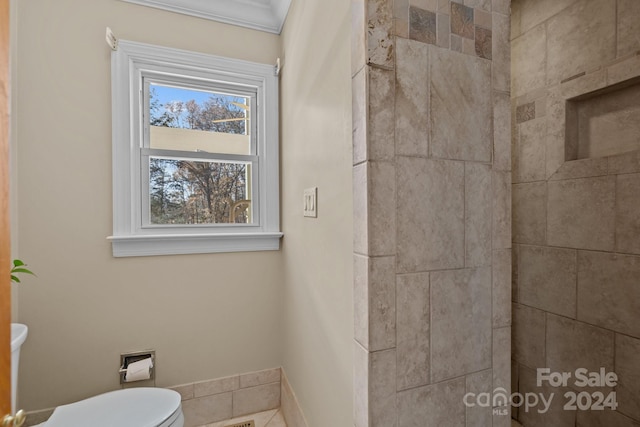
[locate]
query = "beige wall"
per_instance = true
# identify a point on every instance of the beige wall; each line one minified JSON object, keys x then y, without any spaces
{"x":316,"y":151}
{"x":207,"y":316}
{"x":575,"y":222}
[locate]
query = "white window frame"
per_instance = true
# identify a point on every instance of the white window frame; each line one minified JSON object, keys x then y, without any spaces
{"x":131,"y":236}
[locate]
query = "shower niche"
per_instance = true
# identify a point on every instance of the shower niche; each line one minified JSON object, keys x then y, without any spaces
{"x":604,"y":122}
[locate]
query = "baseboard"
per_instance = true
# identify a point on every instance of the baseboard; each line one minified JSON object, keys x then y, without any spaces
{"x":289,"y":404}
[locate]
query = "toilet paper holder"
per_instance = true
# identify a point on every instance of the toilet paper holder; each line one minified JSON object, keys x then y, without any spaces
{"x":135,"y":356}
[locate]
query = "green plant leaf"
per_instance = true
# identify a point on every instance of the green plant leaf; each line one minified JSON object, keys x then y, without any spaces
{"x":17,"y":263}
{"x":21,"y":270}
{"x":15,"y":279}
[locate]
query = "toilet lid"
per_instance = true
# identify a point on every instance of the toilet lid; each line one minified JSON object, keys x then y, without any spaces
{"x":134,"y":407}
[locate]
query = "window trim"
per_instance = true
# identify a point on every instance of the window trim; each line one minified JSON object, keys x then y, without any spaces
{"x":129,"y":63}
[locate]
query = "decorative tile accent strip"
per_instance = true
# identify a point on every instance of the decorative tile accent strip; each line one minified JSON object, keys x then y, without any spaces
{"x":422,"y":25}
{"x":467,"y":29}
{"x":483,"y":43}
{"x":525,"y":112}
{"x":462,"y":20}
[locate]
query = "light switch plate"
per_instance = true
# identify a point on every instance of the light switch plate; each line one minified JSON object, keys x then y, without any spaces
{"x":310,"y":208}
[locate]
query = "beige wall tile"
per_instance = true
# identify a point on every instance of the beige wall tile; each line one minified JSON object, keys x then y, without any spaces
{"x":627,"y":213}
{"x":382,"y":303}
{"x":581,"y":213}
{"x":266,"y":376}
{"x":516,"y":20}
{"x":548,"y":279}
{"x":501,"y":53}
{"x":360,"y":389}
{"x":535,"y":12}
{"x":219,"y":385}
{"x":443,"y":30}
{"x":359,"y":115}
{"x":477,"y":210}
{"x":529,"y":61}
{"x":438,"y":405}
{"x":528,"y":336}
{"x":502,"y":359}
{"x":186,"y":391}
{"x":461,"y":106}
{"x":572,"y":344}
{"x":460,"y":322}
{"x":514,"y":385}
{"x":476,"y":383}
{"x":431,"y":5}
{"x":604,"y":418}
{"x":412,"y":98}
{"x":502,"y":417}
{"x":608,"y":291}
{"x":627,"y":365}
{"x":358,"y":36}
{"x":624,"y":163}
{"x":565,"y":32}
{"x":256,"y":399}
{"x":401,"y":9}
{"x":208,"y":409}
{"x":382,"y":388}
{"x":623,"y":70}
{"x":628,"y":27}
{"x":556,"y":415}
{"x":584,"y":168}
{"x":501,"y":130}
{"x":501,"y":6}
{"x":530,"y":213}
{"x":501,"y":183}
{"x":381,"y":208}
{"x":380,"y":33}
{"x":514,"y":272}
{"x":380,"y":122}
{"x":529,"y":157}
{"x":482,"y":19}
{"x":412,"y":295}
{"x":501,"y":288}
{"x":479,"y":4}
{"x":360,"y":217}
{"x":401,"y":28}
{"x":361,"y":299}
{"x":430,"y":214}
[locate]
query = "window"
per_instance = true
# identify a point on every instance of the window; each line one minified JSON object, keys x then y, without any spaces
{"x":195,"y":153}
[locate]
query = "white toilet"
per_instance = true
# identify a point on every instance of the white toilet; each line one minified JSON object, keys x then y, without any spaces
{"x":133,"y":407}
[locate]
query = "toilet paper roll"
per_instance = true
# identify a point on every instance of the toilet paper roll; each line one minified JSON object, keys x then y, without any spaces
{"x":138,"y":371}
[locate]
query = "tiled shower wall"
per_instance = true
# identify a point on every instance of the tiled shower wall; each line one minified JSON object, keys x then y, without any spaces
{"x":576,"y":224}
{"x":432,"y":210}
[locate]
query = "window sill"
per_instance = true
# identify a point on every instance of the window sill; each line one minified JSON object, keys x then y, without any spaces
{"x":151,"y":245}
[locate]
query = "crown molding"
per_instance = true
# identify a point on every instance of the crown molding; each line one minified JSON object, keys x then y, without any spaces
{"x":261,"y":15}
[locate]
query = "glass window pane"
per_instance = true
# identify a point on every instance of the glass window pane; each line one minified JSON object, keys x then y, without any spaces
{"x":199,"y":192}
{"x":198,"y":120}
